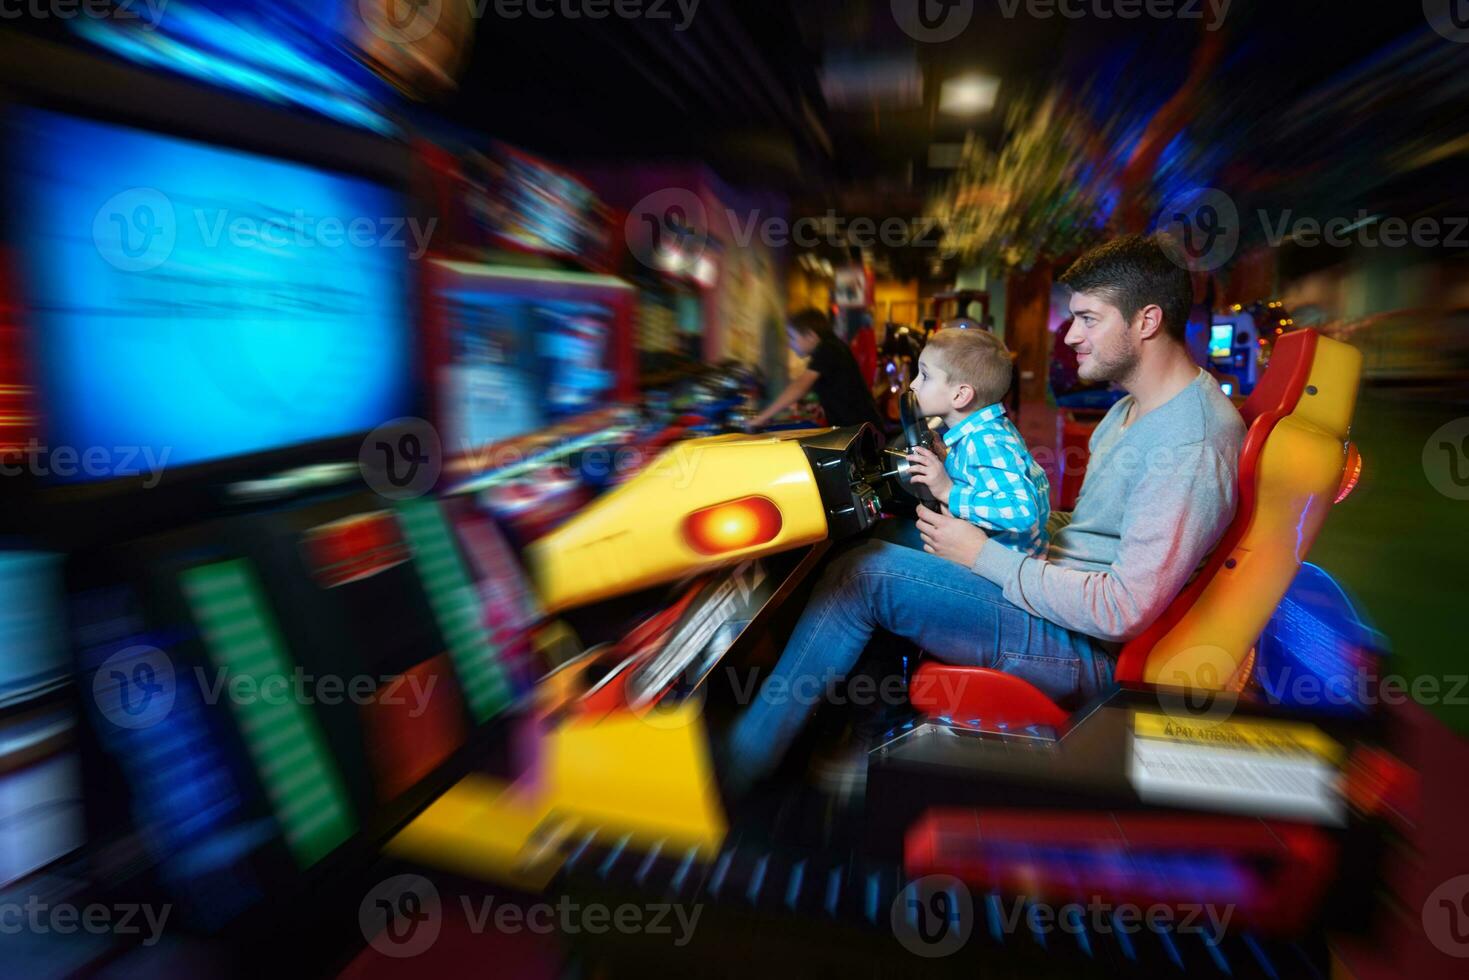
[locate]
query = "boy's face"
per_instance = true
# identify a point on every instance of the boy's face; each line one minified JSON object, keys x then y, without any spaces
{"x":936,"y":395}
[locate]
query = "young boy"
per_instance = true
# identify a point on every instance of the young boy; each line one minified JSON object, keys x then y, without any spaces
{"x":988,"y":478}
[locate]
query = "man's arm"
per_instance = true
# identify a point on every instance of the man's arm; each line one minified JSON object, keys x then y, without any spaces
{"x":793,"y":393}
{"x":1172,"y":520}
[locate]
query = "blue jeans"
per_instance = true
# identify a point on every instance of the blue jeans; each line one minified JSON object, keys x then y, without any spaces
{"x":953,"y":614}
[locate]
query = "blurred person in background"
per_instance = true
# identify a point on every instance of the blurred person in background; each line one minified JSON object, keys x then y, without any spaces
{"x":831,"y":371}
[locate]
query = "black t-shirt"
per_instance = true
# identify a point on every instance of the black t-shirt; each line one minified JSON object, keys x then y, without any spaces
{"x":845,"y":397}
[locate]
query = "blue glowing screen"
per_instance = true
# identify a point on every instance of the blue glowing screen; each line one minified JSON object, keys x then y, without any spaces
{"x":198,"y":303}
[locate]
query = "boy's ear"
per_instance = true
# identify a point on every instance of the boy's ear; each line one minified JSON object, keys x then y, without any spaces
{"x":963,"y":397}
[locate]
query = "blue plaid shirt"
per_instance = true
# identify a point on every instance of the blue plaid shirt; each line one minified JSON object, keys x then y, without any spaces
{"x":997,"y":483}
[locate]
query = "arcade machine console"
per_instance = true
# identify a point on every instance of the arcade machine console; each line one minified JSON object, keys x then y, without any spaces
{"x":275,"y":668}
{"x":1234,"y":352}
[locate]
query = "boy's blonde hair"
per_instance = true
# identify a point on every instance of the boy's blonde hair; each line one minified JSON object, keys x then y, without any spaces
{"x":976,"y":358}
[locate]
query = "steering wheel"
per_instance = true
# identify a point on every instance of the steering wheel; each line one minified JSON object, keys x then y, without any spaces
{"x":916,"y":433}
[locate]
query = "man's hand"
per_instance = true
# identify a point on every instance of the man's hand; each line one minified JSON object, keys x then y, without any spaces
{"x":948,"y":537}
{"x":926,"y":468}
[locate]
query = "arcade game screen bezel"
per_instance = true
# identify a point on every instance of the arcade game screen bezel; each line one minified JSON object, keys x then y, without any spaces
{"x":38,"y":75}
{"x":519,"y":285}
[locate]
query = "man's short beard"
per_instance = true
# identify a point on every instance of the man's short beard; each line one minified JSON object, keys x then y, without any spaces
{"x":1111,"y":369}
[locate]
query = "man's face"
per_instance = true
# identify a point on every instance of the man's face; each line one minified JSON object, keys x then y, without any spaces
{"x":802,"y":343}
{"x":1103,"y":341}
{"x":936,"y":396}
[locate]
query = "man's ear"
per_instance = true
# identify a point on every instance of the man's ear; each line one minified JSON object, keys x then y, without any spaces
{"x":1150,"y":320}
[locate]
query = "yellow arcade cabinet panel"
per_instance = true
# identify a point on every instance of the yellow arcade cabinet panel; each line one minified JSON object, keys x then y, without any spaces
{"x":710,"y":502}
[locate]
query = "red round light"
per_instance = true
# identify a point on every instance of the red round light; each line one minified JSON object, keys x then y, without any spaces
{"x":732,"y":526}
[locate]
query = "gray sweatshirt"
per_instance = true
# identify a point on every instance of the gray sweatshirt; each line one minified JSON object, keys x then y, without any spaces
{"x":1157,"y":497}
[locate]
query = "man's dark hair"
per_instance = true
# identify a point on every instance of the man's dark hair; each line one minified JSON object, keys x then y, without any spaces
{"x":811,"y":321}
{"x":1136,"y":271}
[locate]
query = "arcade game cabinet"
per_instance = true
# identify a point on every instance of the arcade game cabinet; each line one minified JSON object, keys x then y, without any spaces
{"x":271,"y":666}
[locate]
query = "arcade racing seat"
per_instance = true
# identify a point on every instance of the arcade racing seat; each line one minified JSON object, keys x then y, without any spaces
{"x":1295,"y":463}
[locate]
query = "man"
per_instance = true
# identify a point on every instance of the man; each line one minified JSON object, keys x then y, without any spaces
{"x":831,"y":371}
{"x":1159,"y":492}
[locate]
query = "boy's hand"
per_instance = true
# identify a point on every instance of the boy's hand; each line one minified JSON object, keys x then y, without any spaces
{"x":926,"y":468}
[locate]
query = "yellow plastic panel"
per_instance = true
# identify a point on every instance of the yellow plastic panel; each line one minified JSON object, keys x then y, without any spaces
{"x":645,"y":775}
{"x":483,"y":828}
{"x":1297,"y":480}
{"x":632,"y":538}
